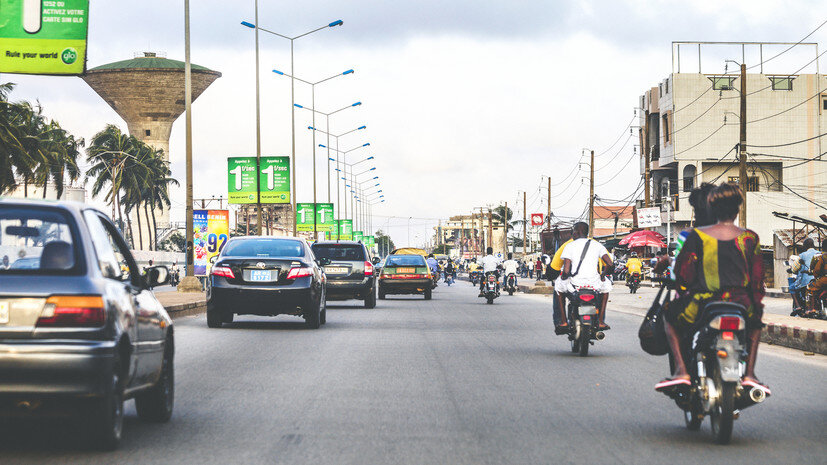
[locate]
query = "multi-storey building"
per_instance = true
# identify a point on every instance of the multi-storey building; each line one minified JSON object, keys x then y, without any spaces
{"x":691,"y":124}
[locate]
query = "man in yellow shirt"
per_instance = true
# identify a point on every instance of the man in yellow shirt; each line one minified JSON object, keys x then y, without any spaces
{"x":633,"y":265}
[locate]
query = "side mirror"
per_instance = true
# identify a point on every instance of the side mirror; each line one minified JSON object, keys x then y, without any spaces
{"x":323,"y":261}
{"x":156,"y":276}
{"x":375,"y":260}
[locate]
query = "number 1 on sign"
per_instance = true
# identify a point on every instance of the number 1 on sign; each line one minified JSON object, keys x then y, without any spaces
{"x":271,"y":181}
{"x":237,"y":173}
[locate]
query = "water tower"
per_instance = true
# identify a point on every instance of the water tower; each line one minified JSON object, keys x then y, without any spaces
{"x":148,"y":93}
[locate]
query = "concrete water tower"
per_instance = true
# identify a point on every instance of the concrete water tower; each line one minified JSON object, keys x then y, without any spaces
{"x":148,"y":93}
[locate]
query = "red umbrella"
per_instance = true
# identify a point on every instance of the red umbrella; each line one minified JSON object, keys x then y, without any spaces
{"x":652,"y":238}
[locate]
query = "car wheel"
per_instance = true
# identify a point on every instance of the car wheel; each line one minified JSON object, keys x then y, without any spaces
{"x":213,"y":315}
{"x":156,"y":404}
{"x":428,"y":293}
{"x":106,"y":414}
{"x":370,"y":299}
{"x":313,"y":317}
{"x":323,"y":314}
{"x":381,"y":293}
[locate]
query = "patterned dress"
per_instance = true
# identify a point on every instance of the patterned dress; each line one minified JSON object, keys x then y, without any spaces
{"x":708,"y":269}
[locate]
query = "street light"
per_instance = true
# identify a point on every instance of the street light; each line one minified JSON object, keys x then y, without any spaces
{"x":292,"y":111}
{"x":344,"y":153}
{"x":313,"y":100}
{"x":335,"y":136}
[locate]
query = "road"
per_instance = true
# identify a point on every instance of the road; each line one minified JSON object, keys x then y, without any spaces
{"x":447,"y":381}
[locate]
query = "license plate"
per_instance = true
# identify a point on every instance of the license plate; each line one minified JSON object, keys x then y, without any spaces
{"x":335,"y":270}
{"x":4,"y":313}
{"x":406,"y":270}
{"x":260,"y":275}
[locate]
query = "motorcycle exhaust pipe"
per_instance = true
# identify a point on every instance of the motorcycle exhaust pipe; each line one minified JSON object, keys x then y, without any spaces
{"x":599,"y":336}
{"x":757,"y":395}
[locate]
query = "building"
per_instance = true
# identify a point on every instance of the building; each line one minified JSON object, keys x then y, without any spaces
{"x":690,"y":123}
{"x":33,"y":191}
{"x":610,"y":221}
{"x":469,"y":235}
{"x":148,"y":93}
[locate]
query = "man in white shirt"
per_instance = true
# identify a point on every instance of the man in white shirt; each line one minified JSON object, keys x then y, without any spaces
{"x":489,"y":265}
{"x":510,"y":267}
{"x":583,"y":272}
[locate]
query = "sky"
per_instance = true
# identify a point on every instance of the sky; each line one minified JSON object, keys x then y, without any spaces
{"x":467,"y":103}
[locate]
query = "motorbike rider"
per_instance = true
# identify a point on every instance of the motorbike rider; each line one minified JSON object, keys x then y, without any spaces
{"x":433,"y":265}
{"x":510,"y":267}
{"x":489,"y":265}
{"x":580,"y":265}
{"x":805,"y":275}
{"x":818,"y":267}
{"x":450,"y":270}
{"x":633,"y":265}
{"x":716,"y":262}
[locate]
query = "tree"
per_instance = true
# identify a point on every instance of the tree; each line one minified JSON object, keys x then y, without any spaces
{"x":111,"y":153}
{"x":384,"y":242}
{"x":174,"y":243}
{"x":442,"y":249}
{"x":499,"y":214}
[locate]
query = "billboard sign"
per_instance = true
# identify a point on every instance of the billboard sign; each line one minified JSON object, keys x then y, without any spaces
{"x":43,"y":37}
{"x":536,"y":219}
{"x":358,"y":236}
{"x":304,"y":216}
{"x":648,"y":217}
{"x":345,"y":230}
{"x":211,"y":231}
{"x":324,"y":217}
{"x":370,"y":242}
{"x":274,"y":180}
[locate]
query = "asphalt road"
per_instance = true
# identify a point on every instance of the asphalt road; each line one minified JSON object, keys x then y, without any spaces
{"x":447,"y":381}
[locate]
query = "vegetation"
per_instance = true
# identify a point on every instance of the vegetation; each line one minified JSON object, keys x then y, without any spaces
{"x":37,"y":151}
{"x":384,"y":243}
{"x":174,"y":243}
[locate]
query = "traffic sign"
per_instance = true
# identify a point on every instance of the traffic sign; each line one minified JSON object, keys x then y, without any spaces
{"x":536,"y":219}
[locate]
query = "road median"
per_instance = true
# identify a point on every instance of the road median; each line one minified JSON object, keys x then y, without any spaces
{"x":179,"y":304}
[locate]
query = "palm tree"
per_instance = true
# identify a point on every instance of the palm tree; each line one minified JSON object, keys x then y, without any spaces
{"x":111,"y":153}
{"x":16,"y":160}
{"x":159,"y":189}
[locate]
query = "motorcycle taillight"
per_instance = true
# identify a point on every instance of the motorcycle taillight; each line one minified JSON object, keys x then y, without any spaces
{"x":587,"y":297}
{"x":491,"y":278}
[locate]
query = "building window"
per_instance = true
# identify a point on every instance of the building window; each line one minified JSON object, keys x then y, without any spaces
{"x":689,"y":172}
{"x":722,"y":82}
{"x":824,"y":102}
{"x":752,"y":182}
{"x":660,"y":90}
{"x":666,"y":84}
{"x":147,"y":132}
{"x":782,"y":83}
{"x":666,"y":128}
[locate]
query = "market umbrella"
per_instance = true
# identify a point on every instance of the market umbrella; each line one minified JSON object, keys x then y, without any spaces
{"x":645,"y":241}
{"x":644,"y":235}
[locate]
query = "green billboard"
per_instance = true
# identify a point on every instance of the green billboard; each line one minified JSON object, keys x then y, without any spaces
{"x":43,"y":36}
{"x":370,"y":242}
{"x":274,"y":179}
{"x":358,"y":236}
{"x":325,"y":221}
{"x":345,"y":228}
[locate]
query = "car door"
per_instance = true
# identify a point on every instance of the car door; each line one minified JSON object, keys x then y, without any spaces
{"x":149,"y":321}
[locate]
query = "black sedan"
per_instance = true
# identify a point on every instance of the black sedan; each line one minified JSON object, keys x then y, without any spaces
{"x":79,"y":332}
{"x":266,"y":276}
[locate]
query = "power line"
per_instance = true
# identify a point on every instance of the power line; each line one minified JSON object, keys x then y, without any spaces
{"x":788,"y":109}
{"x":615,"y":155}
{"x":784,"y":185}
{"x":788,"y":143}
{"x":790,"y":47}
{"x":618,"y":138}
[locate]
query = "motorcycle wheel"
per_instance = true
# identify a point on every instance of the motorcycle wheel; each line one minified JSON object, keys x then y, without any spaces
{"x":585,"y":333}
{"x":723,"y":412}
{"x":490,"y":299}
{"x":693,"y":417}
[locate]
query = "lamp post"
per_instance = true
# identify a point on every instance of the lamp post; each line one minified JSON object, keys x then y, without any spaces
{"x":313,"y":102}
{"x":357,"y":186}
{"x":292,"y":111}
{"x":335,"y":136}
{"x":344,"y":162}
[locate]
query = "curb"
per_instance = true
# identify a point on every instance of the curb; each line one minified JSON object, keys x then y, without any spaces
{"x":527,"y":289}
{"x":187,"y":309}
{"x":794,"y":337}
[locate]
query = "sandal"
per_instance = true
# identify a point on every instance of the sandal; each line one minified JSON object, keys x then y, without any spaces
{"x":670,"y":385}
{"x":603,"y":327}
{"x":561,"y":329}
{"x":755,"y":384}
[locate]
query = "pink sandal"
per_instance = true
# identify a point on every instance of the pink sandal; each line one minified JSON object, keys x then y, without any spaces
{"x":670,"y":384}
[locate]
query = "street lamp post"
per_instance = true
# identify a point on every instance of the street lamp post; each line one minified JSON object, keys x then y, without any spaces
{"x":292,"y":111}
{"x":329,"y":159}
{"x":357,"y":185}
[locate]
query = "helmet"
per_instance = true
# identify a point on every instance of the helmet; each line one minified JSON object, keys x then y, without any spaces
{"x":795,"y":263}
{"x":634,"y":254}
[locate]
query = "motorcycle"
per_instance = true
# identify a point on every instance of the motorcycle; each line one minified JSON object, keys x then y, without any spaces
{"x":716,"y":362}
{"x":491,"y":289}
{"x":435,"y":278}
{"x":511,"y":283}
{"x":449,"y":278}
{"x":634,"y":283}
{"x":474,"y":276}
{"x":620,"y":271}
{"x":174,"y":278}
{"x":583,"y":320}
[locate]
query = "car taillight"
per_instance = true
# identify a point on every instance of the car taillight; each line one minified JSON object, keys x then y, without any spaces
{"x":368,"y":268}
{"x":587,"y":297}
{"x":72,"y":312}
{"x":729,"y":323}
{"x":301,"y":272}
{"x":223,"y":271}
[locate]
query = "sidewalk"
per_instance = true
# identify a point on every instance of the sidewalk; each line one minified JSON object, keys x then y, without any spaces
{"x":180,"y":304}
{"x":786,"y":331}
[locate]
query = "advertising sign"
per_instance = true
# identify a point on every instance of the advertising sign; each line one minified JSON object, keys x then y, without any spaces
{"x":304,"y":216}
{"x":43,"y":36}
{"x":358,"y":236}
{"x":325,"y":221}
{"x":648,"y":217}
{"x":370,"y":242}
{"x":274,"y":180}
{"x":345,"y":230}
{"x":536,"y":219}
{"x":210,"y":233}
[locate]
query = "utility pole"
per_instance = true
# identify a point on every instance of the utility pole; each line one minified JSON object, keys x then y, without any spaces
{"x":742,"y":149}
{"x":485,"y":240}
{"x":548,"y":210}
{"x":524,"y":224}
{"x":591,"y":196}
{"x":505,"y":232}
{"x":644,"y":138}
{"x":490,"y":230}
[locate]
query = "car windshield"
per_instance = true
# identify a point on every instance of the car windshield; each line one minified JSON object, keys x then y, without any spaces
{"x":339,"y":251}
{"x":263,"y":248}
{"x":405,"y":260}
{"x":36,"y":241}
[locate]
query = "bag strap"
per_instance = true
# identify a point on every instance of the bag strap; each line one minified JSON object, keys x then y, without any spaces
{"x":582,"y":256}
{"x":657,"y":304}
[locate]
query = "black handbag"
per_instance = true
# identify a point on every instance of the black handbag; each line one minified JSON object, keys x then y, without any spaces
{"x":652,"y":334}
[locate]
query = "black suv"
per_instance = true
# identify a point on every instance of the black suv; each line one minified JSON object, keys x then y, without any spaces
{"x":350,"y":271}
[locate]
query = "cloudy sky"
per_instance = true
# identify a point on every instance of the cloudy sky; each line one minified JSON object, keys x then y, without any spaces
{"x":467,"y":103}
